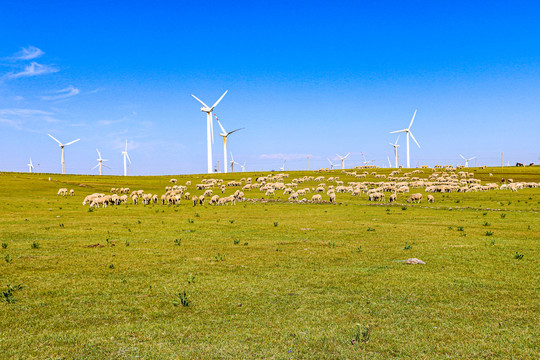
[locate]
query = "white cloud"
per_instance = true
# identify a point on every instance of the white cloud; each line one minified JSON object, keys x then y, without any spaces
{"x":33,"y":69}
{"x":28,"y":53}
{"x":23,"y":112}
{"x":63,"y":94}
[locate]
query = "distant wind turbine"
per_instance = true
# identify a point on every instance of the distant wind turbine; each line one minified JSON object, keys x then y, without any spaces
{"x":225,"y":135}
{"x":408,"y":132}
{"x":389,"y":163}
{"x":366,"y":161}
{"x":243,"y":167}
{"x":395,"y":146}
{"x":209,"y":128}
{"x":331,"y":164}
{"x":126,"y":157}
{"x":100,"y":162}
{"x":282,"y":168}
{"x":232,"y":163}
{"x":467,"y":160}
{"x":62,"y":147}
{"x":30,"y":166}
{"x":342,"y":158}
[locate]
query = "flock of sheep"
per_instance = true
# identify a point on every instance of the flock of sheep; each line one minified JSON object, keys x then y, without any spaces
{"x":395,"y":184}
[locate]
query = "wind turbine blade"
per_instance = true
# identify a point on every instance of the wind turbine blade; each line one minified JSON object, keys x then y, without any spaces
{"x":98,"y":153}
{"x":347,"y":155}
{"x":414,"y":139}
{"x":234,"y":131}
{"x":339,"y":156}
{"x":398,"y":131}
{"x":472,"y":158}
{"x":232,"y":159}
{"x":463,"y":157}
{"x":95,"y":167}
{"x":329,"y":161}
{"x":55,"y":139}
{"x":397,"y":138}
{"x":104,"y":160}
{"x":71,"y":142}
{"x":412,"y":119}
{"x":106,"y":166}
{"x":128,"y":158}
{"x":199,"y":100}
{"x":217,"y":102}
{"x":221,"y":126}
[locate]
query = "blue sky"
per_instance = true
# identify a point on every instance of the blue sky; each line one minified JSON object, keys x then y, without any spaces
{"x":304,"y":78}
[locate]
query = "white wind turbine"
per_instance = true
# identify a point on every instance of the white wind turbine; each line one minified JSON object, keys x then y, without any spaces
{"x":243,"y":166}
{"x":282,"y":168}
{"x":225,"y":135}
{"x":467,"y":160}
{"x":62,"y":147}
{"x":342,"y":158}
{"x":366,"y":161}
{"x":126,"y":157}
{"x":209,"y":128}
{"x":331,"y":164}
{"x":30,"y":166}
{"x":408,"y":131}
{"x":389,"y":163}
{"x":100,"y":162}
{"x":395,"y":146}
{"x":232,"y":163}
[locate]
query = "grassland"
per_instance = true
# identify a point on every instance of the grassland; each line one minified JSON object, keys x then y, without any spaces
{"x":268,"y":280}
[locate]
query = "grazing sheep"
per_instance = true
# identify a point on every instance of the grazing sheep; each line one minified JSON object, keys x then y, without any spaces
{"x":134,"y":197}
{"x":316,"y":198}
{"x":270,"y":192}
{"x":393,"y":197}
{"x":155,"y":199}
{"x":415,"y":198}
{"x":187,"y":195}
{"x":332,"y":197}
{"x":430,"y":199}
{"x":195,"y":199}
{"x":62,"y":191}
{"x":376,"y":196}
{"x":71,"y":192}
{"x":201,"y":200}
{"x":173,"y":181}
{"x":214,"y":200}
{"x":293,"y":197}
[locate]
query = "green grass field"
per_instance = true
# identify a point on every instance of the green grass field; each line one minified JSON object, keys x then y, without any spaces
{"x":268,"y":280}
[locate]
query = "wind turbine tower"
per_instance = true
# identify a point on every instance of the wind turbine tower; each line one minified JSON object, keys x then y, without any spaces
{"x":126,"y":159}
{"x":467,"y":160}
{"x":395,"y":146}
{"x":225,"y":135}
{"x":282,"y":168}
{"x":209,"y":128}
{"x":408,"y":132}
{"x":62,"y":147}
{"x":30,"y":166}
{"x":331,"y":164}
{"x":100,"y":162}
{"x":342,"y":158}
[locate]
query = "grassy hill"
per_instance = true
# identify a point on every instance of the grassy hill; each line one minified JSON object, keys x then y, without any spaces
{"x":268,"y":279}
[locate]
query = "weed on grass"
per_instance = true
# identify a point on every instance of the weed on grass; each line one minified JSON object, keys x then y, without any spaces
{"x":190,"y":221}
{"x":34,"y":245}
{"x":275,"y":223}
{"x":177,"y":242}
{"x":8,"y":259}
{"x":111,"y":266}
{"x":181,"y":299}
{"x":407,"y":247}
{"x":9,"y":294}
{"x":489,"y":233}
{"x":460,"y":228}
{"x":370,"y":229}
{"x":360,"y":334}
{"x":4,"y":245}
{"x":359,"y":249}
{"x":503,"y":216}
{"x":403,"y":208}
{"x":231,"y":221}
{"x":332,"y":244}
{"x":191,"y":278}
{"x":486,"y":223}
{"x":220,"y":257}
{"x":236,"y":241}
{"x":518,"y":256}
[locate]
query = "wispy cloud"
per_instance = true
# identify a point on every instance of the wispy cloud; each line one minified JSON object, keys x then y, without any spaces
{"x":23,"y":112}
{"x":34,"y":69}
{"x":63,"y":94}
{"x":26,"y":119}
{"x":28,"y":53}
{"x":284,"y":156}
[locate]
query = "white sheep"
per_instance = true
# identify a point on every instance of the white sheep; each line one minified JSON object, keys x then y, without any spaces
{"x":62,"y":191}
